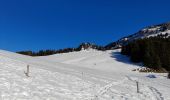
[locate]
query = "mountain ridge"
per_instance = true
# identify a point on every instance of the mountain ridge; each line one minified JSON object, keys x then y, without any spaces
{"x":149,"y":31}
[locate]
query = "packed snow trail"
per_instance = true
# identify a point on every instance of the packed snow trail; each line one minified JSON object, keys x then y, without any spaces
{"x":59,"y":77}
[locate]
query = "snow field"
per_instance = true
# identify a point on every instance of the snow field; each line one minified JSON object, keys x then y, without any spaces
{"x":84,"y":75}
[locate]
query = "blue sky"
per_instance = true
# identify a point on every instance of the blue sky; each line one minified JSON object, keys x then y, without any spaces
{"x":54,"y":24}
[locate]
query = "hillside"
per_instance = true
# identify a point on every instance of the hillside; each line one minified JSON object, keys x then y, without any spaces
{"x":83,"y":75}
{"x":150,"y":31}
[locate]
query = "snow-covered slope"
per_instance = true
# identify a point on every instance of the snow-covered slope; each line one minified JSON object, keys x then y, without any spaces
{"x":84,"y":75}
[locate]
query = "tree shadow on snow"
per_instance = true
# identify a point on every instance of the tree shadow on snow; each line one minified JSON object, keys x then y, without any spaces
{"x":123,"y":58}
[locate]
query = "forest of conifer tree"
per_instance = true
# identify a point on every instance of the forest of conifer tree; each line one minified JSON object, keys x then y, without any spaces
{"x":154,"y":52}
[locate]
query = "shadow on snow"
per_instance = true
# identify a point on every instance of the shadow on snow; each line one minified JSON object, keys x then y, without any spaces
{"x":122,"y":58}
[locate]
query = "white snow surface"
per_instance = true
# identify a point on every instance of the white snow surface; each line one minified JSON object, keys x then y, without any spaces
{"x":84,"y":75}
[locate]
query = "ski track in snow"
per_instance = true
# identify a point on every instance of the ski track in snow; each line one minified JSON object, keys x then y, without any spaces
{"x":157,"y":94}
{"x":146,"y":92}
{"x":69,"y":81}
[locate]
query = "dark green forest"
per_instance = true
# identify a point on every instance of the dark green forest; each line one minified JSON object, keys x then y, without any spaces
{"x":154,"y":52}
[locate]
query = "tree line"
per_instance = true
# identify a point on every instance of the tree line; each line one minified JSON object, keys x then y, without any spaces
{"x":154,"y":52}
{"x":82,"y":46}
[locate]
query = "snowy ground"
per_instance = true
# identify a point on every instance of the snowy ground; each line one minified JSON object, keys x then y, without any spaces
{"x":84,"y":75}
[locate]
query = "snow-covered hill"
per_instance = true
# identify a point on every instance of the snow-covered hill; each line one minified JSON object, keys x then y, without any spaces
{"x":84,"y":75}
{"x":151,"y":31}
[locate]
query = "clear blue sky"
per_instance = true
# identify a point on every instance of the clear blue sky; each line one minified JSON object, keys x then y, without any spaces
{"x":54,"y":24}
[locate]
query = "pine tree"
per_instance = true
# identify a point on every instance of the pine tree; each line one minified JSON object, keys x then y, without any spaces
{"x":135,"y":53}
{"x":156,"y":62}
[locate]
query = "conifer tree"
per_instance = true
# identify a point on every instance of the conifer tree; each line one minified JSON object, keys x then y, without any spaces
{"x":135,"y":53}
